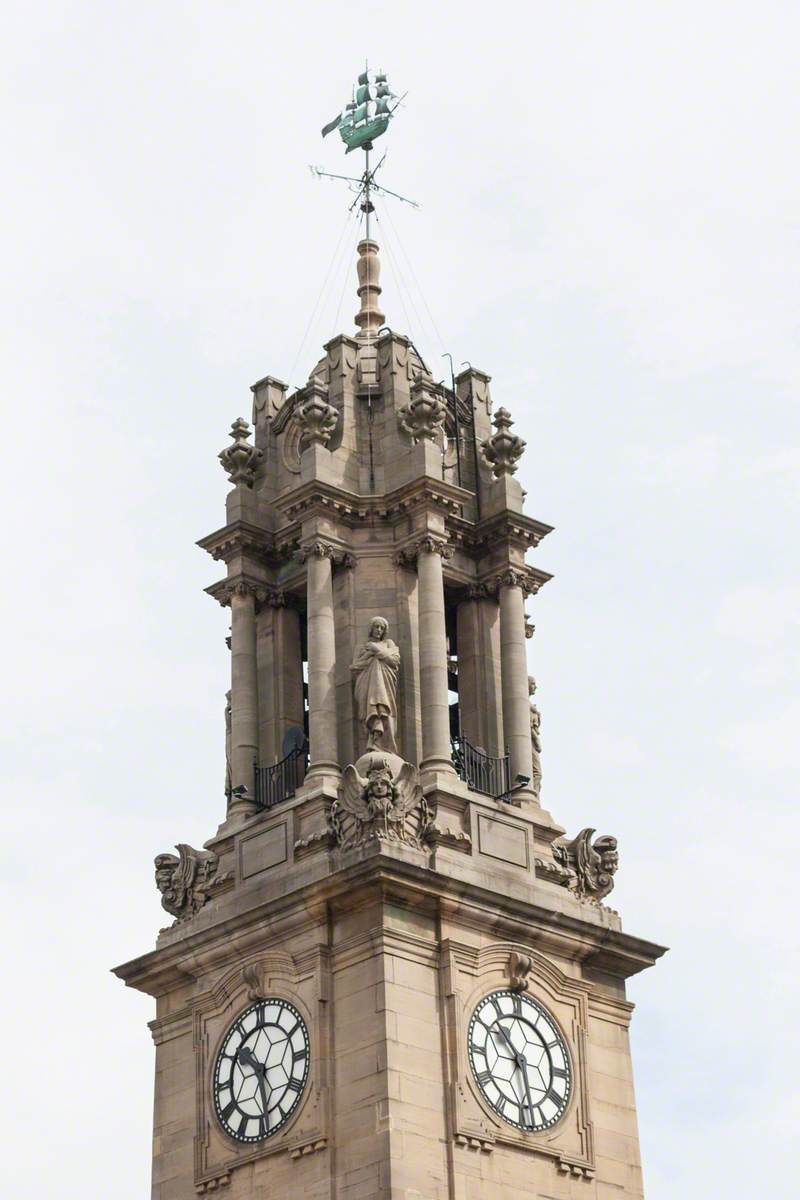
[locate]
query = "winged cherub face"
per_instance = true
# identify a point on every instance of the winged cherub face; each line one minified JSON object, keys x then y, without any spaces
{"x":380,"y":783}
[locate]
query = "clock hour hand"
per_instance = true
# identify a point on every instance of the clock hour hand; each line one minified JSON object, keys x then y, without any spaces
{"x":521,"y":1064}
{"x":246,"y":1055}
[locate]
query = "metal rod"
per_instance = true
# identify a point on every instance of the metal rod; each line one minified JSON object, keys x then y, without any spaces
{"x":455,"y":417}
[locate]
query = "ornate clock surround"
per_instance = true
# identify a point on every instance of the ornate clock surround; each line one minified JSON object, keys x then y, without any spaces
{"x":469,"y":975}
{"x":304,"y":983}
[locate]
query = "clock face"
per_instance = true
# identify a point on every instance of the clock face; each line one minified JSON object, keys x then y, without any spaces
{"x":519,"y":1060}
{"x":261,"y":1070}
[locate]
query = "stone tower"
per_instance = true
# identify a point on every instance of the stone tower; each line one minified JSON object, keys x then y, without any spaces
{"x":390,"y":974}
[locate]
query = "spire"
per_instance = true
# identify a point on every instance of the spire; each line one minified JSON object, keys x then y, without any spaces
{"x":370,"y":318}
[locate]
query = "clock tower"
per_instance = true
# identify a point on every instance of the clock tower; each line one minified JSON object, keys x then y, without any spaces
{"x":390,"y":973}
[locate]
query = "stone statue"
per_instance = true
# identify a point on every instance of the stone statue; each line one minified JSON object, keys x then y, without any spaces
{"x":536,"y":740}
{"x":591,"y":866}
{"x":376,"y":667}
{"x":228,"y":719}
{"x":386,"y":803}
{"x":186,"y":882}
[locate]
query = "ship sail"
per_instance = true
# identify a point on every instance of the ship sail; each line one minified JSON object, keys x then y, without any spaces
{"x":362,"y":94}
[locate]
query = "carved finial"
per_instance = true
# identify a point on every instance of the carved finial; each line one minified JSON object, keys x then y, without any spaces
{"x":519,"y":968}
{"x":370,"y":318}
{"x":240,"y":459}
{"x":316,"y":419}
{"x":424,"y":416}
{"x":503,"y":449}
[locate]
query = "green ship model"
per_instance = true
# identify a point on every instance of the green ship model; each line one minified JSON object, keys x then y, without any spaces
{"x":367,"y":116}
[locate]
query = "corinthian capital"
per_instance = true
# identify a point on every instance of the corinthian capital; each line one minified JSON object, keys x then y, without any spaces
{"x":429,"y":544}
{"x":316,"y":549}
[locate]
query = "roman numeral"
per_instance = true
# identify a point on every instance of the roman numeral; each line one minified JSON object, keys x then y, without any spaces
{"x":295,"y":1085}
{"x":228,"y":1110}
{"x":300,"y":1055}
{"x":484,"y":1078}
{"x":243,"y":1126}
{"x":517,"y":1003}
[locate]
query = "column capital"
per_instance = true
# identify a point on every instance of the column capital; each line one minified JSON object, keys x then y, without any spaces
{"x":321,"y":549}
{"x":528,"y":579}
{"x":262,"y":593}
{"x":430,"y":543}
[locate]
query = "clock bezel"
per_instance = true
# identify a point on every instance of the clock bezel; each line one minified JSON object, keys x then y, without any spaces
{"x":544,"y":1011}
{"x":266,"y":1138}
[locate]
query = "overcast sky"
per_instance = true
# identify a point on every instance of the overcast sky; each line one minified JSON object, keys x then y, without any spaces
{"x":610,"y":226}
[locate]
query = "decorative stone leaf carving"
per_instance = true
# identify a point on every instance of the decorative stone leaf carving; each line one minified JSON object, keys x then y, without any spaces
{"x":424,"y":415}
{"x":386,"y":803}
{"x":316,"y":418}
{"x":240,"y":459}
{"x":187,"y":881}
{"x":591,"y":865}
{"x":503,"y":449}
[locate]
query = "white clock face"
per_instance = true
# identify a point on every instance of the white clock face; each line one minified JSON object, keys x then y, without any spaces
{"x":519,"y":1060}
{"x":261,"y":1070}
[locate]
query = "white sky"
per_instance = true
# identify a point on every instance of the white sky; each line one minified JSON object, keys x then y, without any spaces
{"x":611,"y":228}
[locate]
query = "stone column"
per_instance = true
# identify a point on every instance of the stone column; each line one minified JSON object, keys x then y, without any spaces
{"x":323,"y":746}
{"x":244,"y":695}
{"x":479,"y":677}
{"x":436,"y":753}
{"x":514,"y":667}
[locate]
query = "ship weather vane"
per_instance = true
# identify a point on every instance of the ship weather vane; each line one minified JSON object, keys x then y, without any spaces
{"x":366,"y":117}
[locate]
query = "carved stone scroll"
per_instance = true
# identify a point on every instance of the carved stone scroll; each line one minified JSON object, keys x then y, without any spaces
{"x":591,"y":865}
{"x":187,"y":881}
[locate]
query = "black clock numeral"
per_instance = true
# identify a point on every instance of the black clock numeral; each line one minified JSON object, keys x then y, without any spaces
{"x":484,"y":1078}
{"x":228,"y":1110}
{"x":517,"y":1005}
{"x":555,"y":1098}
{"x":559,"y":1073}
{"x":243,"y":1125}
{"x":300,"y":1055}
{"x":295,"y":1085}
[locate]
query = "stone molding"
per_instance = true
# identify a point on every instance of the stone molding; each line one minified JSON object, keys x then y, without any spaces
{"x":529,"y":579}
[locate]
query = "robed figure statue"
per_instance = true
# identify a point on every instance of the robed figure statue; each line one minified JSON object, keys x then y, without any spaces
{"x":376,"y":667}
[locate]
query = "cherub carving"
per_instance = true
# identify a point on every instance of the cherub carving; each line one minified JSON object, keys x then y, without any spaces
{"x":592,"y":866}
{"x":380,"y":805}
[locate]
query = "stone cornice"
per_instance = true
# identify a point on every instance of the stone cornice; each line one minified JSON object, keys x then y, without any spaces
{"x":316,"y":497}
{"x":582,"y":938}
{"x":242,"y":537}
{"x":506,"y":528}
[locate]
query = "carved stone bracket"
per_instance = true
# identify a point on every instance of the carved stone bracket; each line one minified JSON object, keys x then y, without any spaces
{"x":429,"y":544}
{"x":589,"y":866}
{"x":240,"y":459}
{"x":424,"y":416}
{"x":253,"y":976}
{"x":519,"y":968}
{"x":315,"y":417}
{"x":188,"y":880}
{"x":503,"y":449}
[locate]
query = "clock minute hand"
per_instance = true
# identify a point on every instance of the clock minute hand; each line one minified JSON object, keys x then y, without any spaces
{"x":521,"y":1064}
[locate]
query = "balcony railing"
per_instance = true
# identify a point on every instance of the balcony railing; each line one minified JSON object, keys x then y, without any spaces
{"x":281,"y":780}
{"x":482,"y":772}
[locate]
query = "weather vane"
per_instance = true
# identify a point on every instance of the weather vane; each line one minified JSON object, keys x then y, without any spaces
{"x":364,"y":119}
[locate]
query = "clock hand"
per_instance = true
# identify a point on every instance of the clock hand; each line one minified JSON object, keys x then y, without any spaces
{"x":521,"y":1064}
{"x":247,"y":1056}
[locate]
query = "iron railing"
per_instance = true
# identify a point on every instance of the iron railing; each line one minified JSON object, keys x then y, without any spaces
{"x":281,"y":780}
{"x":482,"y":772}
